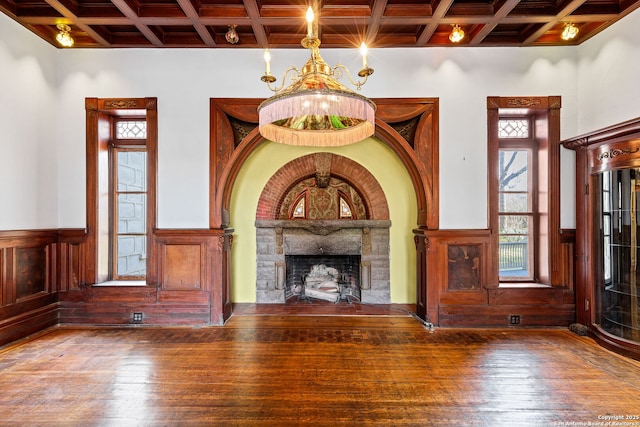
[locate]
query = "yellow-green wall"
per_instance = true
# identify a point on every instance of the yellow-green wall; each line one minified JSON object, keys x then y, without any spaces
{"x":372,"y":154}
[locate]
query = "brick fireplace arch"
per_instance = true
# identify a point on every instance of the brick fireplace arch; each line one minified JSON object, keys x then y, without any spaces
{"x":341,"y":167}
{"x":288,"y":248}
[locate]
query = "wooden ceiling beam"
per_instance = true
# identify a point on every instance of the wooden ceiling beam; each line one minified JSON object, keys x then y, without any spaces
{"x":377,"y":12}
{"x":506,"y":8}
{"x":432,"y":26}
{"x":126,"y":10}
{"x":201,"y":29}
{"x":257,"y":25}
{"x":382,"y":23}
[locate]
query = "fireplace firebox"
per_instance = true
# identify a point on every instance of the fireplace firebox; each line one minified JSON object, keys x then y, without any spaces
{"x":347,"y":276}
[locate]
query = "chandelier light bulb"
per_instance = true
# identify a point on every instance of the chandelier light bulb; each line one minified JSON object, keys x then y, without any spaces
{"x":63,"y":37}
{"x":232,"y":35}
{"x":267,"y":61}
{"x":310,"y":18}
{"x":570,"y":32}
{"x":363,"y":52}
{"x":457,"y":34}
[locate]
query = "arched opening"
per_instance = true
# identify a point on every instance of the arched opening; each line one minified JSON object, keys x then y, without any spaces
{"x":408,"y":127}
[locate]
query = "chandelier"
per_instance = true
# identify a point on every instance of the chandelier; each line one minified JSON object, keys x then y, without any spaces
{"x":315,"y":109}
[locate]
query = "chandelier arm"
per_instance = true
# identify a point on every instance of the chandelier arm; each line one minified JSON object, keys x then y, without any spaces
{"x":289,"y":70}
{"x":339,"y":69}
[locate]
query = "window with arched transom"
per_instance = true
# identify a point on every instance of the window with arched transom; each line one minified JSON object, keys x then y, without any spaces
{"x":322,"y":200}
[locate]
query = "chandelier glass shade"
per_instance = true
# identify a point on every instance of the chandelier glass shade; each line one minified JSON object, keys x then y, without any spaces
{"x":315,"y":109}
{"x":457,"y":34}
{"x":569,"y":32}
{"x":64,"y":37}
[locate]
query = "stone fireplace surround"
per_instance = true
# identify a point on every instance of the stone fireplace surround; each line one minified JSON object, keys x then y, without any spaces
{"x":278,"y":238}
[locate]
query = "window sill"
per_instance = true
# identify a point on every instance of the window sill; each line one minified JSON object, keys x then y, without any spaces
{"x":122,"y":283}
{"x":522,"y":285}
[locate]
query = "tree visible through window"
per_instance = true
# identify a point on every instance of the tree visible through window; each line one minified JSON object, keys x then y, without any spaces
{"x":516,"y":197}
{"x":524,"y":191}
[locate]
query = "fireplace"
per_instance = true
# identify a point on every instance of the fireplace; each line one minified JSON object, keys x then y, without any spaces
{"x":343,"y":271}
{"x":357,"y":249}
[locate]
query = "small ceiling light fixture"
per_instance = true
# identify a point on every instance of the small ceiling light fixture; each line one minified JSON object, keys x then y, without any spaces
{"x":63,"y":37}
{"x":232,"y":36}
{"x":457,"y":34}
{"x":316,"y":110}
{"x":570,"y":31}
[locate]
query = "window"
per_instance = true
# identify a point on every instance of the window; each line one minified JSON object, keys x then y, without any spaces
{"x":300,"y":211}
{"x":345,"y":208}
{"x":306,"y":200}
{"x":516,"y":200}
{"x":121,"y":176}
{"x":524,"y":190}
{"x":129,"y":200}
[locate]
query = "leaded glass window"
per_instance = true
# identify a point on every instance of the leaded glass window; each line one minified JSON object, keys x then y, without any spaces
{"x":513,"y":128}
{"x":345,"y":209}
{"x":299,"y":211}
{"x":131,"y":129}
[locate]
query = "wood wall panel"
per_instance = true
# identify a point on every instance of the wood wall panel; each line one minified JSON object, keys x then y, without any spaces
{"x":499,"y":315}
{"x":3,"y":275}
{"x":460,"y":293}
{"x":526,"y":296}
{"x":31,"y":271}
{"x":183,"y":266}
{"x":464,"y":272}
{"x":205,"y":255}
{"x":28,"y":301}
{"x":72,"y":251}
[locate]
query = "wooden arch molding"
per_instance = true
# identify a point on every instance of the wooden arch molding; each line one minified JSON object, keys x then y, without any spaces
{"x":409,"y":126}
{"x":341,"y":167}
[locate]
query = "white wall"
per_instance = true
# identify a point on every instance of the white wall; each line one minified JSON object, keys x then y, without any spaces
{"x":42,"y":112}
{"x":608,"y":76}
{"x":184,"y":80}
{"x":28,"y":176}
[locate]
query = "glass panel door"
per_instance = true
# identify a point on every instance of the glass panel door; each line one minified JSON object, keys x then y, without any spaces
{"x":616,"y":252}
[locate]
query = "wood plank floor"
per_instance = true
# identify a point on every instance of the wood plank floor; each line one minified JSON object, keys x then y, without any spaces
{"x":314,"y":370}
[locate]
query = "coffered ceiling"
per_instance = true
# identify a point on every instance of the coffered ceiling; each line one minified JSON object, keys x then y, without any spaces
{"x":343,"y":23}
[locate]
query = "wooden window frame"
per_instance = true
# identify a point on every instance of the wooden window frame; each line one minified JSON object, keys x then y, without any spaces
{"x":545,"y":114}
{"x":525,"y":144}
{"x":100,"y":129}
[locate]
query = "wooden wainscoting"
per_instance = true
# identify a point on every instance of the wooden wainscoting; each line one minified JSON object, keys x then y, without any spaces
{"x":71,"y":256}
{"x":460,"y":289}
{"x":190,"y":285}
{"x":28,"y":282}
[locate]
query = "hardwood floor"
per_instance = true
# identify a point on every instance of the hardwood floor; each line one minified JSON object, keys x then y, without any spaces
{"x":314,"y":370}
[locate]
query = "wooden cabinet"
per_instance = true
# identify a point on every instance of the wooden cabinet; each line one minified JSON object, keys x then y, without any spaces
{"x":608,"y":235}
